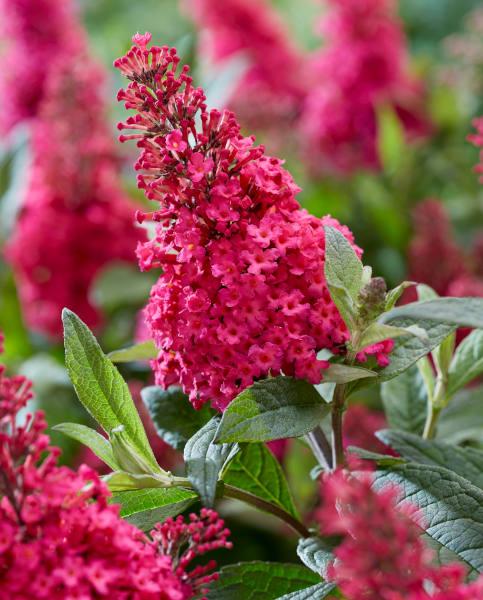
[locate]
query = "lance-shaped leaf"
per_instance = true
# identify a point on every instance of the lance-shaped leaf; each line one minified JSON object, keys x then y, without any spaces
{"x":393,"y":295}
{"x":256,"y":471}
{"x":257,"y":580}
{"x":377,"y":332}
{"x":120,"y":481}
{"x":409,"y":349}
{"x":467,"y":462}
{"x":142,"y":351}
{"x":450,"y":507}
{"x":100,"y":387}
{"x":338,"y":373}
{"x":343,"y":273}
{"x":204,"y":460}
{"x":315,"y":554}
{"x":173,"y":415}
{"x":459,"y":312}
{"x":271,"y":409}
{"x":405,"y":400}
{"x":144,"y":508}
{"x":90,"y":438}
{"x":314,"y":592}
{"x":467,"y":363}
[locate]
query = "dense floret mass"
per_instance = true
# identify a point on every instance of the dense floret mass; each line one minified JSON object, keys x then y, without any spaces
{"x":75,"y":217}
{"x":272,"y":86}
{"x":243,"y":293}
{"x":61,"y":539}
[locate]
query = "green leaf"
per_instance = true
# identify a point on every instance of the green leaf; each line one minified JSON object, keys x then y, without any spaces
{"x":271,"y":409}
{"x":377,"y":332}
{"x":339,"y":373}
{"x":467,"y":462}
{"x":405,"y":400}
{"x":343,"y":273}
{"x":409,"y":349}
{"x":257,"y":580}
{"x":90,"y":438}
{"x":427,"y":373}
{"x":390,"y":138}
{"x":425,"y":292}
{"x":460,"y":312}
{"x":314,"y":592}
{"x":144,"y":508}
{"x":100,"y":387}
{"x":393,"y":295}
{"x":382,"y":460}
{"x":467,"y":363}
{"x":204,"y":460}
{"x":450,"y":507}
{"x":316,"y":554}
{"x":120,"y":481}
{"x":462,"y":420}
{"x":173,"y":415}
{"x":255,"y":470}
{"x":443,"y":556}
{"x":142,"y":351}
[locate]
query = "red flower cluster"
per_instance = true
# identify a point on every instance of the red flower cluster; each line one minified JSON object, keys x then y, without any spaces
{"x":242,"y":292}
{"x":75,"y":217}
{"x":272,"y":89}
{"x":60,"y":539}
{"x":33,"y":32}
{"x":386,"y":560}
{"x":362,"y":67}
{"x":458,"y":273}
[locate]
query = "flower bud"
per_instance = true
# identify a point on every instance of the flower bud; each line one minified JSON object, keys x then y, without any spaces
{"x":372,"y":299}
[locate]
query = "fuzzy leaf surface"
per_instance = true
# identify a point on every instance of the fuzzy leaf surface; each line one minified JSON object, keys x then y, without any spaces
{"x":275,"y":408}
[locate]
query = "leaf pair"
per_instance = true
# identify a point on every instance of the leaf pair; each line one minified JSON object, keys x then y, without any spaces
{"x":103,"y":392}
{"x":106,"y":396}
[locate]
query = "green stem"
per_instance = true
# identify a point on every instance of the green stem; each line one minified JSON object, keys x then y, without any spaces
{"x":321,"y":448}
{"x":436,"y":402}
{"x":338,"y":405}
{"x":233,"y":492}
{"x":431,"y":420}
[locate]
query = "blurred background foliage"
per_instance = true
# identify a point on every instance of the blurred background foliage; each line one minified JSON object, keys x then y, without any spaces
{"x":377,"y":207}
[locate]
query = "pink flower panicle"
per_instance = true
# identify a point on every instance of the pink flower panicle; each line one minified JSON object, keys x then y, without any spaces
{"x":185,"y":541}
{"x":459,"y":273}
{"x":362,"y":66}
{"x":242,"y":292}
{"x":74,"y":194}
{"x":432,"y":244}
{"x":388,"y":559}
{"x":61,"y":539}
{"x":272,"y":88}
{"x":33,"y":32}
